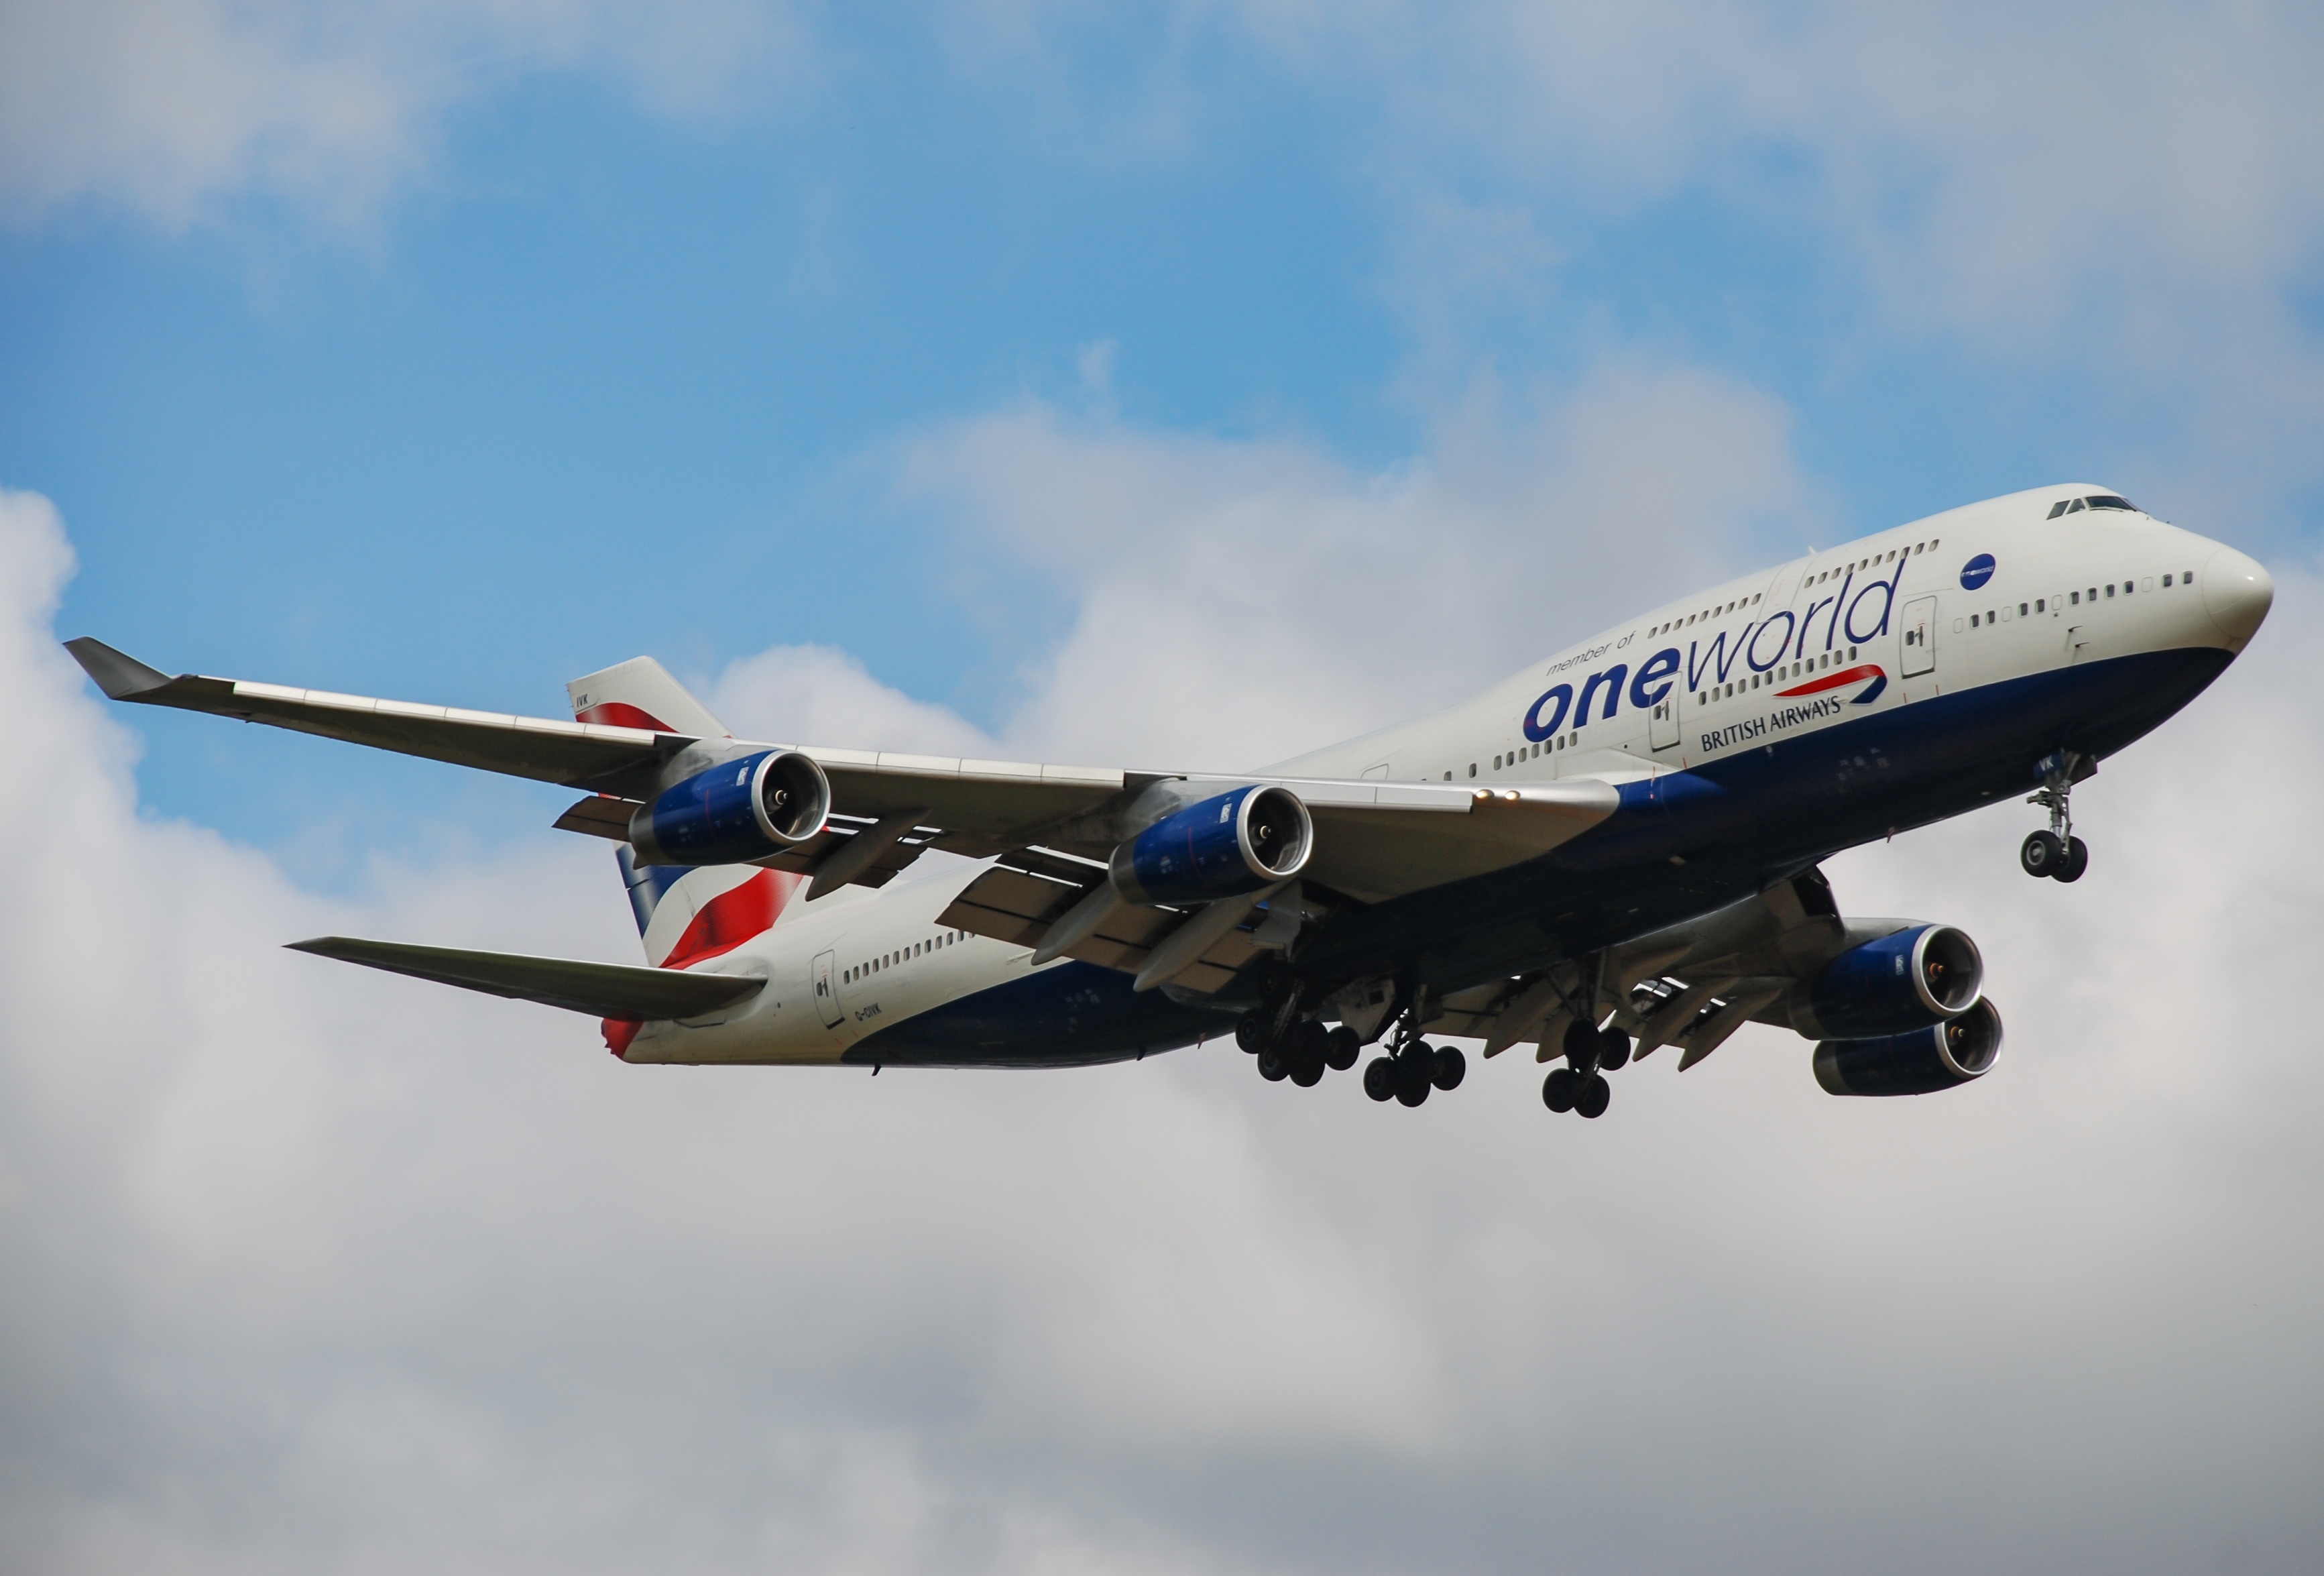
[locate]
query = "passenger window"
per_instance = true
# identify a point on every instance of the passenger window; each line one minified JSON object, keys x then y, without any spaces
{"x":2186,"y":577}
{"x":2166,"y":583}
{"x":2040,"y":605}
{"x":1972,"y":620}
{"x":2109,"y":589}
{"x":2021,"y":610}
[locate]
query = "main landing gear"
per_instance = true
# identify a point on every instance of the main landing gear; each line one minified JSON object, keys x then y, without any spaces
{"x":1415,"y":1068}
{"x":1300,"y":1050}
{"x":2056,"y":854}
{"x":1590,"y":1053}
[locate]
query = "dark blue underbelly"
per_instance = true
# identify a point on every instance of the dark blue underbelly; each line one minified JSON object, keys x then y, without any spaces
{"x":1073,"y":1015}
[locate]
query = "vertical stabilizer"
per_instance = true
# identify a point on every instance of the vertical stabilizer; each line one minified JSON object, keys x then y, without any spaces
{"x":641,"y":694}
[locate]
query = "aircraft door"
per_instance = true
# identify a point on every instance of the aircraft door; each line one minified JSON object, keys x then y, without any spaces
{"x":1662,"y":723}
{"x":1920,"y":647}
{"x":826,"y":988}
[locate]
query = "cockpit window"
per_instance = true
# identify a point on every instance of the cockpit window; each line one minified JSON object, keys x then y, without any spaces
{"x":2103,"y":500}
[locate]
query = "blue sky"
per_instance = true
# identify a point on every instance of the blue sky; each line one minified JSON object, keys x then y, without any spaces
{"x":592,"y":356}
{"x":1162,"y":385}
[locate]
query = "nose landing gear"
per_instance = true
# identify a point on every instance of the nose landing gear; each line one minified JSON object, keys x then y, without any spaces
{"x":2056,"y":854}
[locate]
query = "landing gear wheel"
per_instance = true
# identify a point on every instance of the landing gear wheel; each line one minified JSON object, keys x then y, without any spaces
{"x":2042,"y":854}
{"x":1583,"y":1044}
{"x":1616,"y":1053}
{"x":1309,"y":1043}
{"x":1415,"y":1071}
{"x":2077,"y":861}
{"x":1379,"y":1078}
{"x":1254,"y":1028}
{"x":1557,"y":1090}
{"x":1450,"y":1067}
{"x":1592,"y":1098}
{"x":1273,"y":1064}
{"x":1341,"y":1050}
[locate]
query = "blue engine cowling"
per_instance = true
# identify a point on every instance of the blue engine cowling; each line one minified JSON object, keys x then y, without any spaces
{"x":1943,"y":1056}
{"x":1236,"y":842}
{"x":1921,"y":975}
{"x":743,"y":810}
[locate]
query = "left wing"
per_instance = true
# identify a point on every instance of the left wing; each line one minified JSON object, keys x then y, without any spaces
{"x":1373,"y":840}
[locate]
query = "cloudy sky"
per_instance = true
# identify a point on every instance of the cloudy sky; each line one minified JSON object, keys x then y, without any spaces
{"x":1155,"y":385}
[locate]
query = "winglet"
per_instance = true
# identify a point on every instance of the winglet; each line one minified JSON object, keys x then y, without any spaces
{"x":121,"y":676}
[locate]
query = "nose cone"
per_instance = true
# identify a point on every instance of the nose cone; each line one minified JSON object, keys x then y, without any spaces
{"x":2236,"y":593}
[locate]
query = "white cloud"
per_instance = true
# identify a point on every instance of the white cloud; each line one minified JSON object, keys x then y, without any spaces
{"x":317,"y":1269}
{"x":1235,"y":601}
{"x":170,"y":108}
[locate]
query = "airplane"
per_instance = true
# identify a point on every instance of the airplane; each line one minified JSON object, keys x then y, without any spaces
{"x":1604,"y":854}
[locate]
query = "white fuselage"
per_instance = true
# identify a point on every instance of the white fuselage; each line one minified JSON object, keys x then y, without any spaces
{"x":1691,"y":682}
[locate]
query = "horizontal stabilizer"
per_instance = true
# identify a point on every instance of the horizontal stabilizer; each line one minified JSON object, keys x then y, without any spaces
{"x":599,"y":990}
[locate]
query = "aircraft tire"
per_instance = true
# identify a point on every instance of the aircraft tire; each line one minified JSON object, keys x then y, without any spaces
{"x":1379,"y":1078}
{"x":1582,"y":1043}
{"x":1415,"y":1068}
{"x":1342,"y":1050}
{"x":1616,"y":1052}
{"x":1413,"y":1095}
{"x":2077,"y":861}
{"x":1254,"y":1028}
{"x":1592,"y":1098}
{"x":1450,"y":1067}
{"x":1557,"y":1090}
{"x":1306,"y":1074}
{"x":2041,"y":854}
{"x":1273,"y":1064}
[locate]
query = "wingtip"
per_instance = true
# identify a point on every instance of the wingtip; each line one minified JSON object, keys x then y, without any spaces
{"x":321,"y":945}
{"x":121,"y":676}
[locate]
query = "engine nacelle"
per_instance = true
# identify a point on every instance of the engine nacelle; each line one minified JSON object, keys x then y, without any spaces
{"x":1941,"y":1056}
{"x":1922,"y":975}
{"x":1236,"y":842}
{"x":733,"y":813}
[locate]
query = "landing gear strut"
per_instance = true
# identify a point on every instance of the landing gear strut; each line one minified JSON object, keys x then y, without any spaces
{"x":2056,"y":854}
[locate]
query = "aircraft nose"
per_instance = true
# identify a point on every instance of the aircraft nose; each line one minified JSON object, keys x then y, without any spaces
{"x":2237,"y":593}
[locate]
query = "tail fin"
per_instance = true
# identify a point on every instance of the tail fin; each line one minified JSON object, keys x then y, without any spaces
{"x":684,"y":913}
{"x":641,"y":694}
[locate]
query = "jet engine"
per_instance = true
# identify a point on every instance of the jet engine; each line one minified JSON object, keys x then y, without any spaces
{"x":1941,"y":1057}
{"x":733,"y":813}
{"x":1921,"y":975}
{"x":1222,"y":847}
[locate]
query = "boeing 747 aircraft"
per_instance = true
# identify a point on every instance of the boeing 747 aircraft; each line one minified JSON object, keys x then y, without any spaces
{"x":1610,"y":852}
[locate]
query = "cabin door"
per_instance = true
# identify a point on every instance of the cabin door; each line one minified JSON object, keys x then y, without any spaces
{"x":1662,"y":723}
{"x":826,"y":990}
{"x":1919,"y":648}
